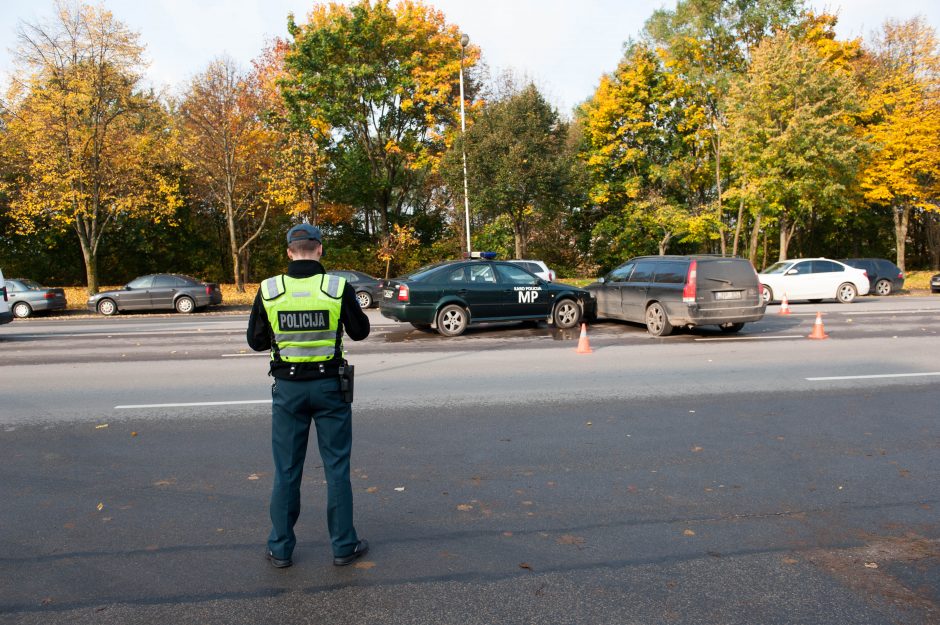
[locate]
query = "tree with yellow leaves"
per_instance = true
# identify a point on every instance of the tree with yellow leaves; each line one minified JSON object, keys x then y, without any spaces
{"x":87,"y":145}
{"x":384,"y":79}
{"x":229,"y":154}
{"x":903,"y":171}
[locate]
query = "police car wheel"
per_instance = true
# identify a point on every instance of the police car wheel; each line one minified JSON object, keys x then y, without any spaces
{"x":567,"y":314}
{"x":364,"y":299}
{"x":452,"y":320}
{"x":185,"y":305}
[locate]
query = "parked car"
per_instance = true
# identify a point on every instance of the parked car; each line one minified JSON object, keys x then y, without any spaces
{"x":885,"y":277}
{"x":368,"y":288}
{"x":5,"y":315}
{"x":666,"y":292}
{"x":813,"y":279}
{"x":536,"y":267}
{"x":451,"y":295}
{"x":28,"y":296}
{"x":161,"y":291}
{"x":935,"y":284}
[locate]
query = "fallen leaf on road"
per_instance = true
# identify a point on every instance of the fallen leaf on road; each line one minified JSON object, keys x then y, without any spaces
{"x":399,"y":488}
{"x":372,"y":489}
{"x":100,"y":507}
{"x":688,"y":533}
{"x":790,"y":561}
{"x":364,"y":565}
{"x":697,"y":449}
{"x":589,"y":424}
{"x":507,"y":534}
{"x":133,"y":433}
{"x":101,"y":427}
{"x":871,"y":565}
{"x":464,"y":507}
{"x":568,"y":539}
{"x":525,"y":565}
{"x":253,"y":476}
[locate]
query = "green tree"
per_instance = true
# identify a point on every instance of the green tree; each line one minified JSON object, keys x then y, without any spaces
{"x":517,"y":163}
{"x":87,"y":144}
{"x":791,"y":130}
{"x":706,"y":43}
{"x":384,"y":80}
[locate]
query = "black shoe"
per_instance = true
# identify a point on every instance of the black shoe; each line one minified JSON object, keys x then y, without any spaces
{"x":361,"y":548}
{"x":277,"y":562}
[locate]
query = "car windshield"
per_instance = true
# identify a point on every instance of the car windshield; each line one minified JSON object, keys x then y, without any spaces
{"x":778,"y":267}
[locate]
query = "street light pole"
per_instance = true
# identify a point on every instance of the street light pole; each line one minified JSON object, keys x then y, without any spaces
{"x":464,"y":40}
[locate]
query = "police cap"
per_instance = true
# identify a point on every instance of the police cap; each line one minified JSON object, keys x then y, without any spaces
{"x":303,"y":232}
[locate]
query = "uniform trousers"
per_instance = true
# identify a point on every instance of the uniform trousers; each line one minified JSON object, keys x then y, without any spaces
{"x":295,"y":404}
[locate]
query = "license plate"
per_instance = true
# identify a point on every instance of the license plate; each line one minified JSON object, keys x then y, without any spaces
{"x":728,"y":295}
{"x":388,"y":293}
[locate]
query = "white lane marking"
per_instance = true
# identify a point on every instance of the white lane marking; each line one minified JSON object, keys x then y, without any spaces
{"x":195,"y":404}
{"x":751,"y":338}
{"x":872,"y":377}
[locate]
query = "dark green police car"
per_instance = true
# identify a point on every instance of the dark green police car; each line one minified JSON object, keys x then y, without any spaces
{"x":450,"y":295}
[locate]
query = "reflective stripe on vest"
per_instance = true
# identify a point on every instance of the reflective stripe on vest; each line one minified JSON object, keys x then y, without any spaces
{"x":310,"y":311}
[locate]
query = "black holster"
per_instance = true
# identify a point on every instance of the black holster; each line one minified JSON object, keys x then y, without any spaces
{"x":347,"y":378}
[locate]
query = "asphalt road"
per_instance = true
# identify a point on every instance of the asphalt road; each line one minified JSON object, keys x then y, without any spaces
{"x":500,"y":477}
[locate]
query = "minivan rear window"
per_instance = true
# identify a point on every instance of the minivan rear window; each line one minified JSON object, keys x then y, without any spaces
{"x":738,"y":270}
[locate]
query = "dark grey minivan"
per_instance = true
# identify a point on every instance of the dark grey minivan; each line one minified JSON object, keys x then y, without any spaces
{"x":666,"y":292}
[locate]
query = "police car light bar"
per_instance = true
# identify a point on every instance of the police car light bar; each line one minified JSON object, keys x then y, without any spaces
{"x":483,"y":255}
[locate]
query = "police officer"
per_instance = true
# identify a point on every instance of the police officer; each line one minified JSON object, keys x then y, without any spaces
{"x":301,"y":317}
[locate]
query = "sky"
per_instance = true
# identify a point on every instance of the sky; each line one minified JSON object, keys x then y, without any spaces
{"x":564,"y":46}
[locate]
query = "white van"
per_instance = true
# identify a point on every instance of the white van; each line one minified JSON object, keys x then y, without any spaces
{"x":5,"y":315}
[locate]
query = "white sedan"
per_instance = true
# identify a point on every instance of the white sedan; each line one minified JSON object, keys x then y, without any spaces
{"x":812,"y":279}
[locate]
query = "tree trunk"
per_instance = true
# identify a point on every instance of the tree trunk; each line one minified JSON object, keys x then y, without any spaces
{"x":902,"y":219}
{"x":86,"y":237}
{"x":755,"y":242}
{"x":233,"y":246}
{"x":737,"y":227}
{"x":933,"y":239}
{"x":519,"y":238}
{"x":664,"y":243}
{"x":786,"y":233}
{"x":721,"y":221}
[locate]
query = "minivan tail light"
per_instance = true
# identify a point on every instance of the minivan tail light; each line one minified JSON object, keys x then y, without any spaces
{"x":208,"y":290}
{"x":49,"y":295}
{"x":403,"y":293}
{"x":688,"y":292}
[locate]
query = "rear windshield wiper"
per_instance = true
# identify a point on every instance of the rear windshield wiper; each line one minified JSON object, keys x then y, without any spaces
{"x":728,"y":282}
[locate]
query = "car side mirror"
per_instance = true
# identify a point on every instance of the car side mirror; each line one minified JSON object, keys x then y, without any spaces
{"x":792,"y":272}
{"x":601,"y":280}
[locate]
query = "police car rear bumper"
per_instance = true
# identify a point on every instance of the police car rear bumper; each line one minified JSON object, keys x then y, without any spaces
{"x":407,"y":312}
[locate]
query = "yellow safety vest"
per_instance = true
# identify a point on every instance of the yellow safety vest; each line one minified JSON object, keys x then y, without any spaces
{"x":304,"y":314}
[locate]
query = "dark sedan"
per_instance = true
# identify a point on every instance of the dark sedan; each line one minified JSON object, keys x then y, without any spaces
{"x":451,"y":295}
{"x":368,"y":288}
{"x":161,"y":291}
{"x":935,"y":284}
{"x":28,"y":297}
{"x":885,"y":277}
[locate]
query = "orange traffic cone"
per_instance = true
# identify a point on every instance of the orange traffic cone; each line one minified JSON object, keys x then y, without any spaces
{"x":784,"y":306}
{"x":584,"y":346}
{"x":818,"y":331}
